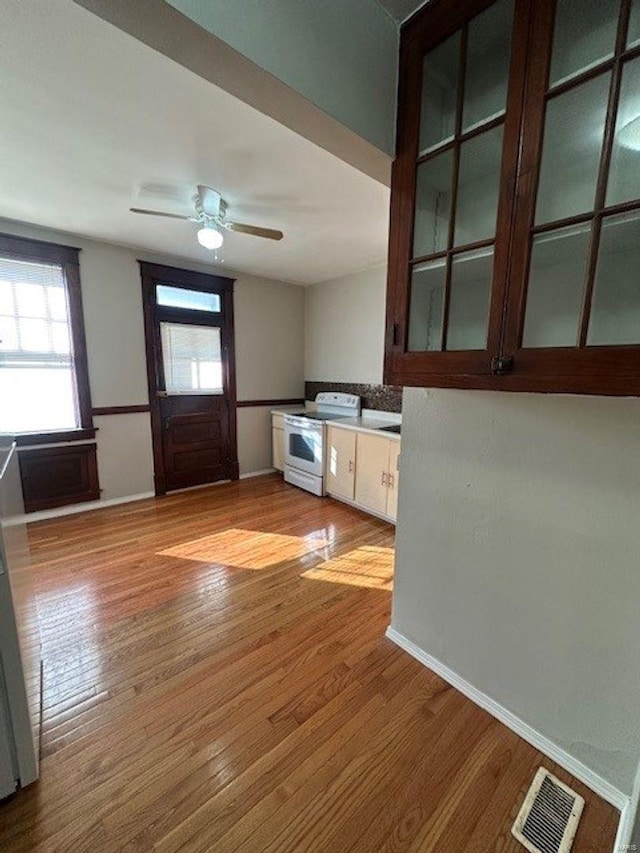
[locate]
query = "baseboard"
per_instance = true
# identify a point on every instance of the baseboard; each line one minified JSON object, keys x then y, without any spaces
{"x":624,"y":836}
{"x":73,"y":509}
{"x":576,"y":768}
{"x":261,"y":473}
{"x":366,"y":510}
{"x":59,"y":511}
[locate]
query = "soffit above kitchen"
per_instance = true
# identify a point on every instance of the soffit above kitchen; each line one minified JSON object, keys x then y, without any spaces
{"x":91,"y":116}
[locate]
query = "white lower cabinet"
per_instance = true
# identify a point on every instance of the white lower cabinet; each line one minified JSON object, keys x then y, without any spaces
{"x":277,"y":440}
{"x":363,"y":468}
{"x":341,"y":463}
{"x":394,"y":478}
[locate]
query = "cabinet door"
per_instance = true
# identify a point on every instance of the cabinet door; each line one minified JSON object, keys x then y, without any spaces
{"x":393,"y":479}
{"x":372,"y":472}
{"x":452,"y":189}
{"x":573,"y":322}
{"x":341,"y":462}
{"x":277,"y":436}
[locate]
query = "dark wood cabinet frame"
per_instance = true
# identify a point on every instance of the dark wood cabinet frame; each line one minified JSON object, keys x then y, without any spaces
{"x":152,"y":275}
{"x":505,"y":364}
{"x":67,"y":257}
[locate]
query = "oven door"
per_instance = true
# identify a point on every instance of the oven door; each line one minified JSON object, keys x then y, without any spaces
{"x":303,"y":444}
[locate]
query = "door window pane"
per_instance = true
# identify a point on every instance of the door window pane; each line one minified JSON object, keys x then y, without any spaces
{"x":439,"y":93}
{"x":584,"y":35}
{"x":487,"y":70}
{"x":633,"y":34}
{"x":556,"y":287}
{"x":433,"y":205}
{"x":471,"y":276}
{"x":192,"y":358}
{"x":425,"y":312}
{"x":573,"y":131}
{"x":615,"y":309}
{"x":193,"y":300}
{"x":624,"y":172}
{"x":478,"y":186}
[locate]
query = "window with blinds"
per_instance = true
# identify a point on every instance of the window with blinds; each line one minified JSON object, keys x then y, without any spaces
{"x":192,"y":358}
{"x":37,"y":376}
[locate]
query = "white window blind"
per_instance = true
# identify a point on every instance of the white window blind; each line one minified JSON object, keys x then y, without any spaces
{"x":192,"y":358}
{"x":37,"y":376}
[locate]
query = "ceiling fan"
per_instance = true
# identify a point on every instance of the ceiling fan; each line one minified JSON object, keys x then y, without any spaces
{"x":210,"y":212}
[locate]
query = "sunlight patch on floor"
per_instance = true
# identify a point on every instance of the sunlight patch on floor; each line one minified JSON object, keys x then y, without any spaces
{"x":247,"y":549}
{"x":369,"y":566}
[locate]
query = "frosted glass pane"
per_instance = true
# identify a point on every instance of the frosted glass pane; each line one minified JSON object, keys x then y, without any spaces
{"x":487,"y":70}
{"x":471,"y":277}
{"x":585,"y":34}
{"x":615,"y":309}
{"x":41,"y":399}
{"x":433,"y":205}
{"x":194,"y":300}
{"x":574,"y":127}
{"x":192,"y":358}
{"x":425,"y":313}
{"x":439,"y":93}
{"x":624,"y":172}
{"x":556,"y":288}
{"x":633,"y":34}
{"x":478,"y":186}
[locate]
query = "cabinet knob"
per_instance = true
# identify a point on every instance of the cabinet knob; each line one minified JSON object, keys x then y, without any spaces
{"x":383,"y":481}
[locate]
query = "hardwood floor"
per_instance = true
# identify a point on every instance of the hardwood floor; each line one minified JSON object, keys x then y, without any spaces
{"x":216,"y":678}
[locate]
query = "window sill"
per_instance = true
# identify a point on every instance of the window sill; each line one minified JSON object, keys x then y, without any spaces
{"x":31,"y":438}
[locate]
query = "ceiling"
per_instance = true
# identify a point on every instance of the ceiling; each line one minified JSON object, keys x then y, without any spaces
{"x":90,"y":116}
{"x":401,"y":9}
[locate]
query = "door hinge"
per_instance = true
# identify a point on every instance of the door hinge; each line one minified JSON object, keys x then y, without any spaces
{"x":395,"y":339}
{"x":501,"y":364}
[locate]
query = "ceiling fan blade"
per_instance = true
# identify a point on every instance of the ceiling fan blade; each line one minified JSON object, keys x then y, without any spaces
{"x":209,"y":200}
{"x":254,"y":230}
{"x":158,"y":213}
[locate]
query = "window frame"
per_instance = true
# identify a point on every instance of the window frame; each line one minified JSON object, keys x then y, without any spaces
{"x":68,"y":258}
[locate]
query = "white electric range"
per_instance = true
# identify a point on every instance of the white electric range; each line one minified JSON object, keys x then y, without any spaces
{"x":305,"y":439}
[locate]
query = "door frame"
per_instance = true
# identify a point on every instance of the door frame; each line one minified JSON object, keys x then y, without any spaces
{"x":152,"y":275}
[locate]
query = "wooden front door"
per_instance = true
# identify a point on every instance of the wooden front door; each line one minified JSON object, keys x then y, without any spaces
{"x":191,"y":375}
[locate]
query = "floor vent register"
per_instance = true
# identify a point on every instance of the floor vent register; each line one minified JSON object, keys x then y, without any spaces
{"x":549,"y":816}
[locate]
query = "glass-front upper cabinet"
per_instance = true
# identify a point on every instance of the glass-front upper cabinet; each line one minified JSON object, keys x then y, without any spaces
{"x":581,"y":275}
{"x":515,"y":244}
{"x":458,"y":177}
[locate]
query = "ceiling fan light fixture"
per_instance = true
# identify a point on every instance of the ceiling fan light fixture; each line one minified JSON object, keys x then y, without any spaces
{"x":210,"y":237}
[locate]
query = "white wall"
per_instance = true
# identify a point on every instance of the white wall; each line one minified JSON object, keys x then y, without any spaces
{"x":341,"y":56}
{"x":344,"y":328}
{"x":269,"y":330}
{"x":517,"y":559}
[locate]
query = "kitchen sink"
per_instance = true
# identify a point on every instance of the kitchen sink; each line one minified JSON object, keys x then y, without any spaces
{"x":391,"y":428}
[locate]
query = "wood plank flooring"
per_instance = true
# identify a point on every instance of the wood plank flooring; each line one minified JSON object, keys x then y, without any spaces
{"x":216,"y":678}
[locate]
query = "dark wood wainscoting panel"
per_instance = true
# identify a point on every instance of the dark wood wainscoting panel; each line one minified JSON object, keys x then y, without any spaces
{"x":121,"y":410}
{"x":57,"y":476}
{"x":254,"y":404}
